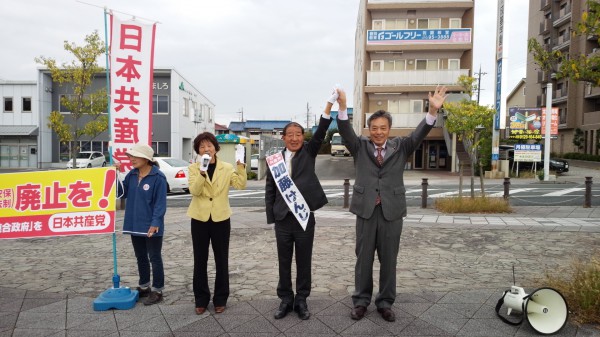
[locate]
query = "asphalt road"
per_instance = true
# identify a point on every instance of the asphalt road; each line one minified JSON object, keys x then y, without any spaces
{"x":332,"y":171}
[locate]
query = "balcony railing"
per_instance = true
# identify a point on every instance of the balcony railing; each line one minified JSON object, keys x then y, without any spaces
{"x":564,"y":15}
{"x":414,"y":77}
{"x":562,"y":92}
{"x":404,"y":120}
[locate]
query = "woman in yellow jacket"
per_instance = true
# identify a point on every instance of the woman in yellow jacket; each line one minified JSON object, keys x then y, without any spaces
{"x":210,"y":212}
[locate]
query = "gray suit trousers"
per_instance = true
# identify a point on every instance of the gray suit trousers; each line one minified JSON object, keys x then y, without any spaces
{"x":376,"y":234}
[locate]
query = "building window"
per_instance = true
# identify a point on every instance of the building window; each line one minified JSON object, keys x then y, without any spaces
{"x":377,"y":65}
{"x":160,"y":104}
{"x":395,"y":65}
{"x":161,"y":149}
{"x":453,"y":64}
{"x":8,"y":104}
{"x":26,"y":104}
{"x":186,"y":107}
{"x":562,"y":116}
{"x":429,"y":23}
{"x":416,"y":106}
{"x":427,"y":65}
{"x":378,"y":24}
{"x":396,"y":24}
{"x":455,"y":23}
{"x":398,"y":106}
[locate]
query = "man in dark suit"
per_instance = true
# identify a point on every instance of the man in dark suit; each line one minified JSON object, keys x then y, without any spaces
{"x":378,"y":199}
{"x":300,"y":161}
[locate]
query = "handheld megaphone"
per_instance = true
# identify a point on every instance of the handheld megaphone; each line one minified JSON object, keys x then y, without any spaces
{"x":545,"y":308}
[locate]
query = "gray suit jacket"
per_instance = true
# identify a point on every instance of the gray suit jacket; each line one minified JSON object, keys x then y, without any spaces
{"x":387,"y":180}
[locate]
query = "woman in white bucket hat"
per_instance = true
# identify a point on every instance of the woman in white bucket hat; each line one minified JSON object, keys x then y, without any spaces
{"x":145,"y":188}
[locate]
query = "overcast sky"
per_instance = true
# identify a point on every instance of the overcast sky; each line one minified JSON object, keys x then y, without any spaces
{"x":269,"y":57}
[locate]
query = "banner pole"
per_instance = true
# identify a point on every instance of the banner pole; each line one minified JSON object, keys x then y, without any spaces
{"x":118,"y":297}
{"x":116,"y":278}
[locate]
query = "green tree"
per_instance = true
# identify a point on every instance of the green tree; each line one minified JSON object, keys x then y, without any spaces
{"x":574,"y":67}
{"x":472,"y":123}
{"x":86,"y":118}
{"x":578,"y":139}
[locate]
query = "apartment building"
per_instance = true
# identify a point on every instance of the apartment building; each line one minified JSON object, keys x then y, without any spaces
{"x":551,"y":22}
{"x":404,"y":49}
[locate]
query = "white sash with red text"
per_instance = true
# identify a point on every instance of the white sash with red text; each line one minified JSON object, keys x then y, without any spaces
{"x":289,"y":191}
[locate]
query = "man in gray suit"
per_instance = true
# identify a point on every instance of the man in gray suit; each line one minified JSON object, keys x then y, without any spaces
{"x":378,"y":199}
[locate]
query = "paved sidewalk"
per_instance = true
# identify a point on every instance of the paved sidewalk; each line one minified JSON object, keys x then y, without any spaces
{"x":451,"y":271}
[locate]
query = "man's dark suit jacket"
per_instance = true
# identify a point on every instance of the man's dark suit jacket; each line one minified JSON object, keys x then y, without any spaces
{"x":388,"y":180}
{"x":303,"y":175}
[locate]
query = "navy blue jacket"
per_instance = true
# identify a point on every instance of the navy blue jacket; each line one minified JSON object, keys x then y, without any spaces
{"x":146,"y":202}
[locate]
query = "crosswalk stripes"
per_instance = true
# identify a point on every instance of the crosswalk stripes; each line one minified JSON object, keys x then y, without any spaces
{"x":563,"y":192}
{"x":511,"y":192}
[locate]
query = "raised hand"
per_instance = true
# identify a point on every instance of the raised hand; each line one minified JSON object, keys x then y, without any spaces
{"x":437,"y":99}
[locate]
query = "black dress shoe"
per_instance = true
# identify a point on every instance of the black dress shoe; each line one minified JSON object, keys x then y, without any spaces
{"x":302,"y":310}
{"x":358,"y":312}
{"x":387,"y":314}
{"x":283,"y":310}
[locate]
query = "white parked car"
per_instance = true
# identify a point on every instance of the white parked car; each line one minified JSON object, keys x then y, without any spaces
{"x":87,"y":159}
{"x":176,"y":171}
{"x":254,"y":162}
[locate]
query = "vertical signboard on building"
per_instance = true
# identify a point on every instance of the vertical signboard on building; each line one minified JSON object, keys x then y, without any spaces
{"x":500,"y":101}
{"x":131,"y":75}
{"x":501,"y":68}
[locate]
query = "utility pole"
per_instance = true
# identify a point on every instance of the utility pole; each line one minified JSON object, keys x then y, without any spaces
{"x":241,"y":112}
{"x":479,"y":74}
{"x":307,"y":116}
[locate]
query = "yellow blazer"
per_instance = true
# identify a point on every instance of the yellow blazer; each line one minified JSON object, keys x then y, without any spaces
{"x":210,"y":198}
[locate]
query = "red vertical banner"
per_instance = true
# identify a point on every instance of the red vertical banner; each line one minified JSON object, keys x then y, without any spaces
{"x":131,"y":75}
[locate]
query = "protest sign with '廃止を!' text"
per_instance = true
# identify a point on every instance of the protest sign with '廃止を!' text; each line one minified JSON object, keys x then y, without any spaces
{"x":57,"y":203}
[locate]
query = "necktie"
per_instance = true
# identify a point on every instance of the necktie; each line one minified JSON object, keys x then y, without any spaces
{"x":380,"y":161}
{"x":379,"y":156}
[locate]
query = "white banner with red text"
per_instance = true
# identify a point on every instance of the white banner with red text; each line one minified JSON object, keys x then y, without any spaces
{"x":131,"y":77}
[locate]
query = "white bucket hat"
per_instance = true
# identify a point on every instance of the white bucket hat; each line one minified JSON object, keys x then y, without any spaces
{"x":142,"y":151}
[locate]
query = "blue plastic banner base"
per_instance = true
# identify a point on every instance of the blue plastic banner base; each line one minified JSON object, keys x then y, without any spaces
{"x":122,"y":298}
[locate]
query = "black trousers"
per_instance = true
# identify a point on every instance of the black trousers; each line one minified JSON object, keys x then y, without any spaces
{"x":203,"y":234}
{"x":290,"y":235}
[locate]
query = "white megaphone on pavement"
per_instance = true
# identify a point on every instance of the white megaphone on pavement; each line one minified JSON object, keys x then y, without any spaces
{"x":545,"y":308}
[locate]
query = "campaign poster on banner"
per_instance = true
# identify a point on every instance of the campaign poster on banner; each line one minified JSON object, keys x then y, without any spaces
{"x":57,"y":203}
{"x":131,"y":77}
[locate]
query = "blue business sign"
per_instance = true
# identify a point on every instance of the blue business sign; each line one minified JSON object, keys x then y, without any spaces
{"x":411,"y":36}
{"x":498,"y":94}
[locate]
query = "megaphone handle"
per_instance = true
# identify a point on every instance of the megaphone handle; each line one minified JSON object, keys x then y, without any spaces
{"x":499,"y":305}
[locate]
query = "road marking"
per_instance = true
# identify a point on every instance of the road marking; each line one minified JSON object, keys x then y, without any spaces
{"x":563,"y":192}
{"x":441,"y":195}
{"x":239,"y":194}
{"x":511,"y":192}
